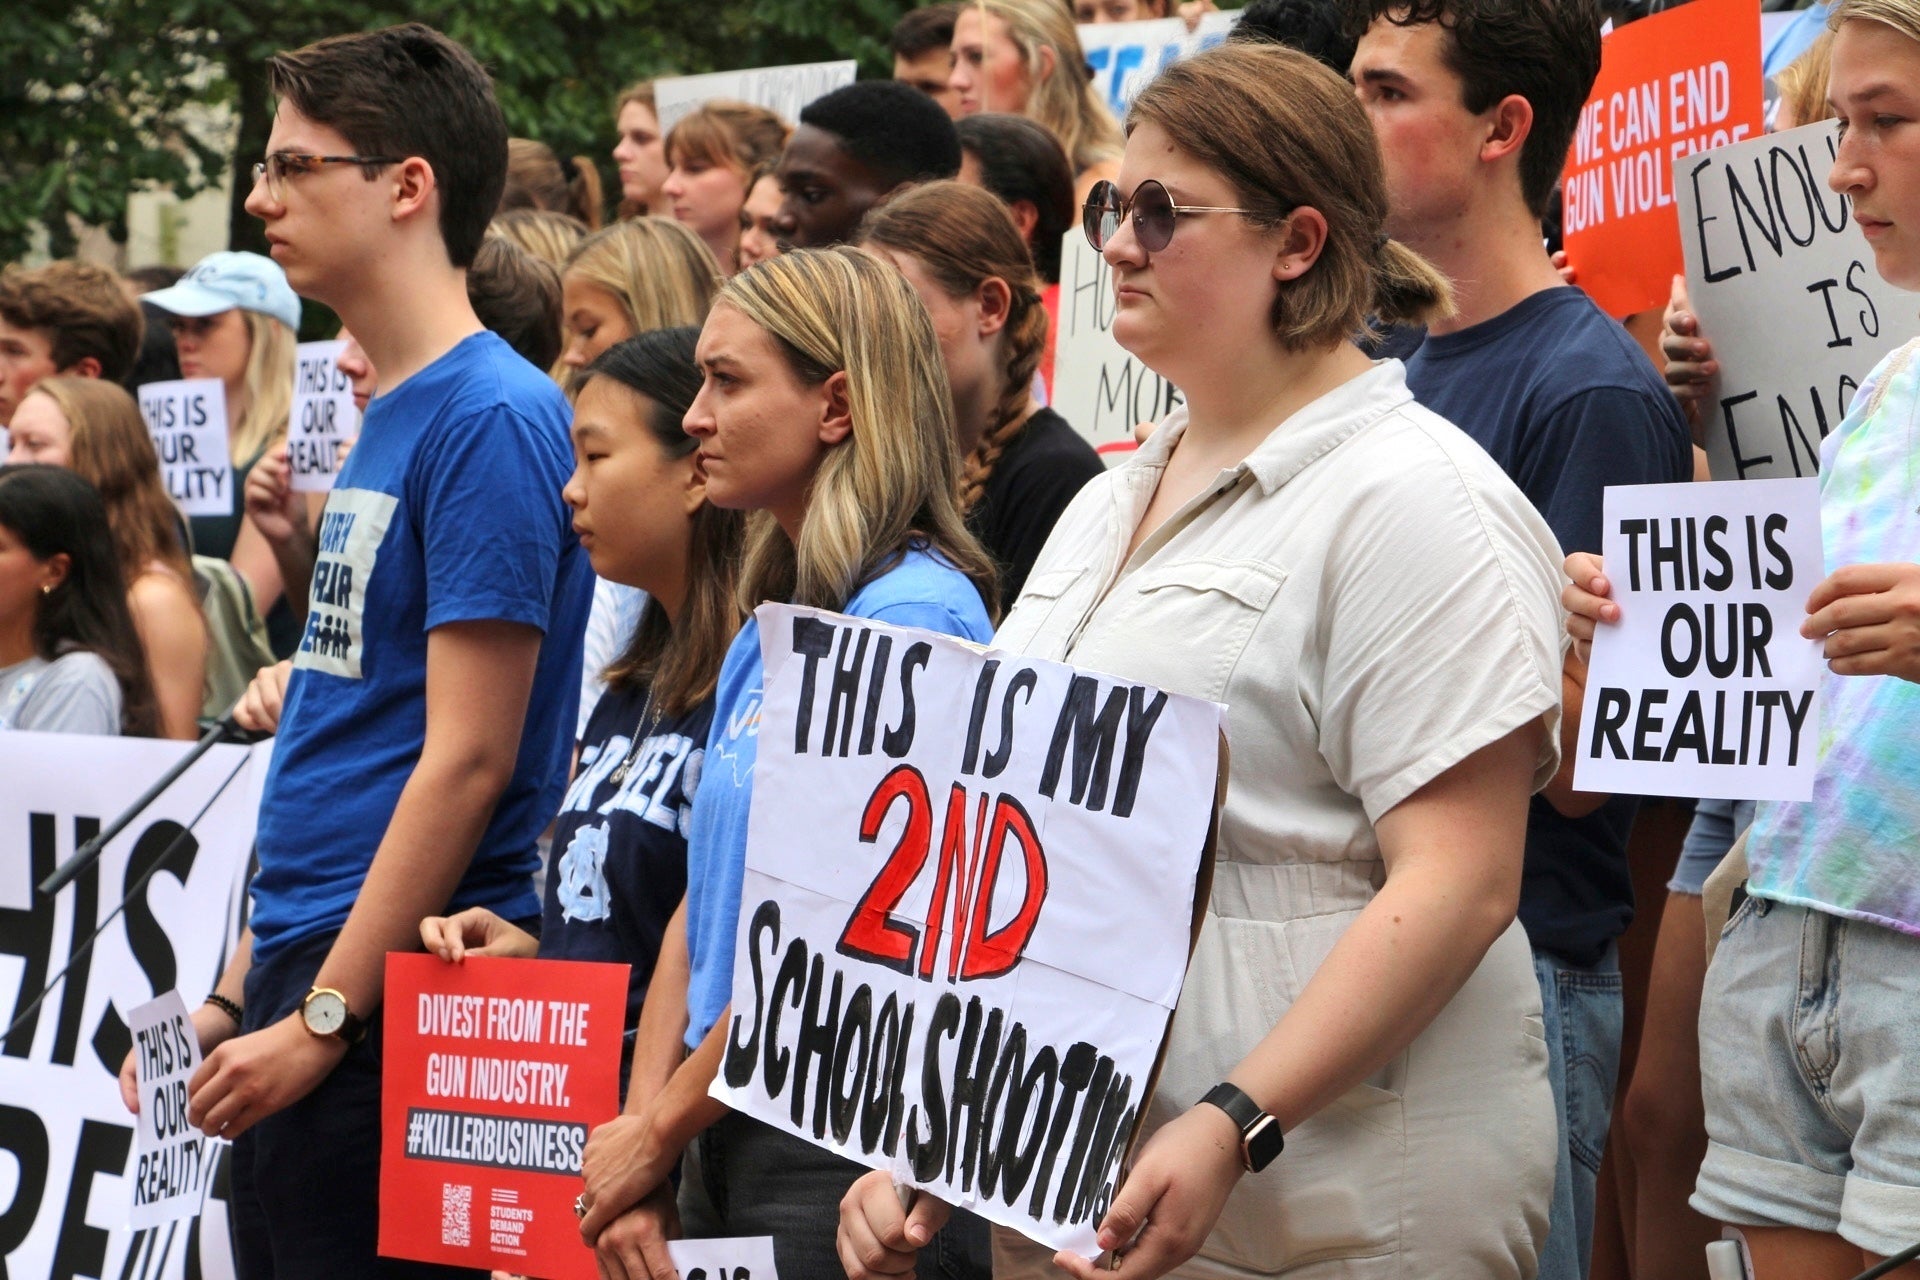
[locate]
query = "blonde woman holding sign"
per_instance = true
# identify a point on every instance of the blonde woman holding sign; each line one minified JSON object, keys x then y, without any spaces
{"x":825,"y":412}
{"x":1356,"y":1076}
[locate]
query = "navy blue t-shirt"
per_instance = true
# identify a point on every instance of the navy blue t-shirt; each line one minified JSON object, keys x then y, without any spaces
{"x":448,"y":510}
{"x":620,"y":846}
{"x":1567,"y":403}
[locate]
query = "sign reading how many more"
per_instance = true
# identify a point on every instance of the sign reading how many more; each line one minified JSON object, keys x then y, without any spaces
{"x":188,"y":422}
{"x":1784,"y":284}
{"x":781,"y":90}
{"x":1681,"y":81}
{"x":966,"y":914}
{"x":1705,"y":687}
{"x":1097,"y":386}
{"x":324,"y":417}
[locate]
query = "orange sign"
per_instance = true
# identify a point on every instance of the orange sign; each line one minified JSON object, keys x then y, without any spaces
{"x":1682,"y":81}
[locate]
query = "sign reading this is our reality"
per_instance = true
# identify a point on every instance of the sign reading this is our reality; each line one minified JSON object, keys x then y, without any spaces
{"x":1784,"y":284}
{"x":1097,"y":385}
{"x":1681,"y":81}
{"x":1705,"y":687}
{"x":495,"y":1071}
{"x":173,"y":1163}
{"x":737,"y":1258}
{"x":966,"y":913}
{"x":781,"y":90}
{"x":188,"y":422}
{"x":1125,"y":56}
{"x":324,"y":417}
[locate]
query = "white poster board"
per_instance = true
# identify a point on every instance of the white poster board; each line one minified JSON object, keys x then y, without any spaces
{"x":968,"y":873}
{"x":324,"y":416}
{"x":1705,"y":686}
{"x":66,"y":1139}
{"x":188,"y":422}
{"x":781,"y":90}
{"x":1124,"y":56}
{"x":1102,"y":391}
{"x":172,"y":1159}
{"x":739,"y":1258}
{"x":1785,"y":288}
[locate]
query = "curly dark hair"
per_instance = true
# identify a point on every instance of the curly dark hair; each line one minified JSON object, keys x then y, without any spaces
{"x":1316,"y":28}
{"x":892,"y":128}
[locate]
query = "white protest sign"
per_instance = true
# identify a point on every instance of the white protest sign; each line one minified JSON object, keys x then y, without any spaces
{"x":740,"y":1258}
{"x":1124,"y":56}
{"x":781,"y":90}
{"x":66,"y":1138}
{"x":188,"y":422}
{"x":172,"y":1168}
{"x":1784,"y":284}
{"x":966,"y":913}
{"x":1705,"y":686}
{"x":323,"y":417}
{"x":1097,"y":386}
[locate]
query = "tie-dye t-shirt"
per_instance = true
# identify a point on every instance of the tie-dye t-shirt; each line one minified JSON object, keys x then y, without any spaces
{"x":1854,"y":849}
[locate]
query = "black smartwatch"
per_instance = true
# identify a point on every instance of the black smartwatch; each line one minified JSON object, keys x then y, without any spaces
{"x":1260,"y":1139}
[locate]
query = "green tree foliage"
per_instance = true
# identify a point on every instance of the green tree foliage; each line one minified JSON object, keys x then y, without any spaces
{"x":95,"y":98}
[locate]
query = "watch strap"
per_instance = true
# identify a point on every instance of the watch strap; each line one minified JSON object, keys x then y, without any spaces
{"x":1260,"y":1136}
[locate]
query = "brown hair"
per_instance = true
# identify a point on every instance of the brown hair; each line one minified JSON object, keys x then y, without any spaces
{"x":738,"y":135}
{"x":536,"y":180}
{"x":1287,"y":133}
{"x":518,"y":297}
{"x":81,"y":309}
{"x":112,"y":450}
{"x":963,"y":236}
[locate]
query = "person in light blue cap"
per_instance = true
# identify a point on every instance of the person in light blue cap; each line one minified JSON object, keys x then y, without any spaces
{"x":234,"y":317}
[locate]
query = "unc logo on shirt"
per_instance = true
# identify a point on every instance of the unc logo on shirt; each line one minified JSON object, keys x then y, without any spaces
{"x":351,"y":531}
{"x":741,"y":725}
{"x":583,"y":875}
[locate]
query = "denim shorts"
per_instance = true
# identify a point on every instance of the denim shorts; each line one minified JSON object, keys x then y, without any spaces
{"x":1716,"y":825}
{"x":1809,"y":1032}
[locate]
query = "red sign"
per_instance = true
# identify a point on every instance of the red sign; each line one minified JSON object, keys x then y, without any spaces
{"x":1682,"y":81}
{"x":495,"y":1071}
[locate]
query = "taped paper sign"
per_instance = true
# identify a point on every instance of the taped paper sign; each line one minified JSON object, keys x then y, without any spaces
{"x":172,"y":1160}
{"x":1125,"y":56}
{"x":1784,"y":284}
{"x":1705,"y":686}
{"x":1681,"y":81}
{"x":741,"y":1258}
{"x":188,"y":422}
{"x":323,"y":418}
{"x":781,"y":90}
{"x":966,"y":914}
{"x":1097,"y":386}
{"x":495,"y":1071}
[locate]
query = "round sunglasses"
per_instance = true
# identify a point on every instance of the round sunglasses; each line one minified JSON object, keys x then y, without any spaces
{"x":1152,"y":209}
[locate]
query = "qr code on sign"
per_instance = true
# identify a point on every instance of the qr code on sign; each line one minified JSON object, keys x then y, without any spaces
{"x":456,"y":1215}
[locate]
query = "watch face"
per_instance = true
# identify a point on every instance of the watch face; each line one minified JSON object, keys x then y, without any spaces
{"x":325,"y":1013}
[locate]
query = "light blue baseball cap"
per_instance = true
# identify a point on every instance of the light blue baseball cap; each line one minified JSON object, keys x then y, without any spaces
{"x":222,"y":281}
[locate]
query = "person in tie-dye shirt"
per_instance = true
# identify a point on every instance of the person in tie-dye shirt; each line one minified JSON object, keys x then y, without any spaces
{"x":1811,"y":1014}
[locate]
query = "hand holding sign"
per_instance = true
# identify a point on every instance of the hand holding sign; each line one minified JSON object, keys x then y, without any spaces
{"x":1868,"y":616}
{"x":324,"y":417}
{"x":188,"y":422}
{"x":174,"y":1164}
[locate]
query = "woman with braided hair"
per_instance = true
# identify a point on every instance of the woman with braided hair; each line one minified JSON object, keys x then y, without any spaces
{"x":1022,"y":464}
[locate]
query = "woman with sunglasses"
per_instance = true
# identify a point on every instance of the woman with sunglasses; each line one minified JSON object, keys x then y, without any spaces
{"x":1355,"y":1079}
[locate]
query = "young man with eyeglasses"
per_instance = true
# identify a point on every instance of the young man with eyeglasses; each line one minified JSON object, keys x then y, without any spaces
{"x":1474,"y":103}
{"x":425,"y":721}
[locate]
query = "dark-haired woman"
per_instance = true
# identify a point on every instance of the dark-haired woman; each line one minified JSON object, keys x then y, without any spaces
{"x":1023,"y":464}
{"x":70,"y":660}
{"x":619,"y":865}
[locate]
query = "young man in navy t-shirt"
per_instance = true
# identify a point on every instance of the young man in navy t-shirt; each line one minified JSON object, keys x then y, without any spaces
{"x":427,"y":715}
{"x":1474,"y":103}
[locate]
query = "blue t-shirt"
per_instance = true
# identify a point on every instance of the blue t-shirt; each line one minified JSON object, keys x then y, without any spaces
{"x":922,"y":590}
{"x":448,"y":510}
{"x":619,"y":861}
{"x":1567,"y":403}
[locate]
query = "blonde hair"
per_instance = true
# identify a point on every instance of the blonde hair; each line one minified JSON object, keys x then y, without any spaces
{"x":1286,"y":133}
{"x":549,"y":236}
{"x":892,"y":482}
{"x":269,"y":382}
{"x":661,"y":272}
{"x":1065,"y":101}
{"x":1803,"y":82}
{"x":1902,"y":15}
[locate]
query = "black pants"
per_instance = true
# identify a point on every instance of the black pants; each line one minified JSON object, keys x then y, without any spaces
{"x":306,"y":1180}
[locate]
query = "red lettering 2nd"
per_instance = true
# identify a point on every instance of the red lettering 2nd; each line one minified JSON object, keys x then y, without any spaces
{"x":973,"y":841}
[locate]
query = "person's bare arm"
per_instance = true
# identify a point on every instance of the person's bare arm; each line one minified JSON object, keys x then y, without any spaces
{"x":479,"y":680}
{"x":1560,"y":793}
{"x":284,"y":523}
{"x":253,"y":559}
{"x":174,"y":635}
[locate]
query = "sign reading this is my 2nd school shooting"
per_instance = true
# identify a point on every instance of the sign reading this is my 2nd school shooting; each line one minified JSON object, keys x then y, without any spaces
{"x":495,"y":1072}
{"x":1783,"y":281}
{"x":967,"y":911}
{"x":324,"y":417}
{"x":188,"y":422}
{"x":1097,"y":385}
{"x":1681,"y":81}
{"x":1705,"y":687}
